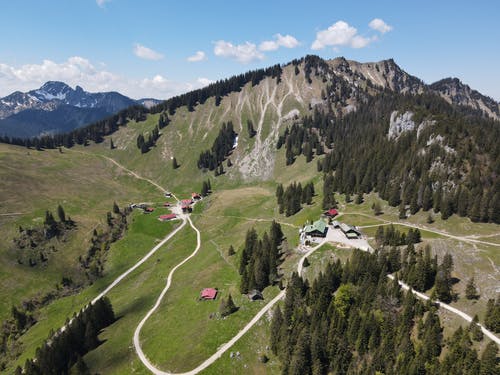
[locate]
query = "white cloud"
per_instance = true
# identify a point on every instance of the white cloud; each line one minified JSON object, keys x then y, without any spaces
{"x":80,"y":71}
{"x":204,"y":81}
{"x":243,"y":53}
{"x":74,"y":71}
{"x":101,"y":3}
{"x":286,"y":41}
{"x":198,"y":56}
{"x":379,"y":25}
{"x":146,"y":53}
{"x":340,"y":34}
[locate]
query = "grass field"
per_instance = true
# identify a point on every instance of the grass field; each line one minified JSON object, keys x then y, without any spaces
{"x":86,"y":186}
{"x":143,"y":233}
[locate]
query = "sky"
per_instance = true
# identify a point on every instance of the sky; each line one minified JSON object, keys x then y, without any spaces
{"x":161,"y":48}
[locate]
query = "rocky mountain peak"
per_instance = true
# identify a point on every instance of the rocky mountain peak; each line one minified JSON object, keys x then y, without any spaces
{"x":455,"y":91}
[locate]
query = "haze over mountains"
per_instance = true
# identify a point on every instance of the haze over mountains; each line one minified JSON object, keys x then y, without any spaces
{"x":56,"y":107}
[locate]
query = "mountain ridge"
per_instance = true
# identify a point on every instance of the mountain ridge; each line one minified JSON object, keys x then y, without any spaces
{"x":34,"y":112}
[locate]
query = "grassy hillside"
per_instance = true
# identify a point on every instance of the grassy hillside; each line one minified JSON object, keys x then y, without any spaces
{"x":183,"y":331}
{"x":32,"y":182}
{"x":269,"y":105}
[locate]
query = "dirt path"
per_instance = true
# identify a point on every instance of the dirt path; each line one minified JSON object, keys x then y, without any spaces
{"x":137,"y":343}
{"x":134,"y":174}
{"x":463,"y":315}
{"x":421,"y":227}
{"x":252,"y":219}
{"x":224,"y":347}
{"x":140,"y":262}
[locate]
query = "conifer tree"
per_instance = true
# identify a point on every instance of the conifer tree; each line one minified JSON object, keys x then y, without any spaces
{"x":61,"y":214}
{"x":348,"y":198}
{"x":276,"y":324}
{"x":227,"y":307}
{"x":250,"y":129}
{"x":377,"y":209}
{"x":230,"y":251}
{"x":471,"y":290}
{"x":402,"y":210}
{"x":427,"y":199}
{"x":489,"y":362}
{"x":475,"y":329}
{"x":430,"y":218}
{"x":175,"y":165}
{"x":443,"y":280}
{"x":492,"y":316}
{"x":204,"y":189}
{"x":140,"y":141}
{"x":359,"y":198}
{"x":279,"y":194}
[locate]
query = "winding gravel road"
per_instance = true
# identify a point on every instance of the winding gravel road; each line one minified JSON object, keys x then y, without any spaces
{"x":224,"y":347}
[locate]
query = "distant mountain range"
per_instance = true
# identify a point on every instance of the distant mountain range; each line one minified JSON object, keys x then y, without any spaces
{"x":56,"y":107}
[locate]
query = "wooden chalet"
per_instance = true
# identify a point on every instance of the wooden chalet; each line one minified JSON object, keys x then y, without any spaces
{"x":316,"y":229}
{"x":208,"y":294}
{"x":167,"y":217}
{"x":349,"y":231}
{"x":331,"y":213}
{"x":186,"y":205}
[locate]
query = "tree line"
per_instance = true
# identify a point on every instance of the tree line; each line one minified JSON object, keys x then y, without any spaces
{"x":65,"y":349}
{"x":92,"y":263}
{"x":217,"y":89}
{"x":291,"y":199}
{"x":33,"y":245}
{"x":260,"y":259}
{"x":96,"y":131}
{"x":220,"y":150}
{"x":298,"y":140}
{"x":352,"y":319}
{"x":145,"y":145}
{"x":388,"y":235}
{"x":82,"y":136}
{"x":450,"y":166}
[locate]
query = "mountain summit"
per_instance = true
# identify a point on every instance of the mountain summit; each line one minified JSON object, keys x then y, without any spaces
{"x":56,"y":107}
{"x":456,"y":92}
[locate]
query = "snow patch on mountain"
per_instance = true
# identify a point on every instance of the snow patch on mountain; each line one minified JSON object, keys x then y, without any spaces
{"x":49,"y":96}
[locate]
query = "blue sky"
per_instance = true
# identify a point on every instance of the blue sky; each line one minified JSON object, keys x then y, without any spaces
{"x":141,"y":48}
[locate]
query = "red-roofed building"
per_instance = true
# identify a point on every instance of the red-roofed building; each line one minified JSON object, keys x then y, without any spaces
{"x":208,"y":293}
{"x":332,"y":212}
{"x":186,"y":205}
{"x":167,"y":217}
{"x":167,"y":204}
{"x":195,"y":196}
{"x":149,"y":209}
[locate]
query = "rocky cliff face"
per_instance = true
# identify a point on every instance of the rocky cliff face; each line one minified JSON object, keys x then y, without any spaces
{"x":456,"y":92}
